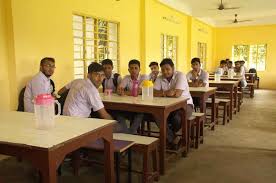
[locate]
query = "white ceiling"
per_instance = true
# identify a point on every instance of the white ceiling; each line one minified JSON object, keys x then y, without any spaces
{"x":261,"y":12}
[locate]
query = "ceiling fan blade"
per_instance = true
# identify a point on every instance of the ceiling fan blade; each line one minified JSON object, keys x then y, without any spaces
{"x":232,"y":8}
{"x":245,"y":20}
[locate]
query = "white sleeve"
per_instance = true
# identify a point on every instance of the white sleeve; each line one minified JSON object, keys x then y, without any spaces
{"x":124,"y":81}
{"x":205,"y":78}
{"x":157,"y":84}
{"x":189,"y":76}
{"x":94,"y":100}
{"x":28,"y":104}
{"x":181,"y":83}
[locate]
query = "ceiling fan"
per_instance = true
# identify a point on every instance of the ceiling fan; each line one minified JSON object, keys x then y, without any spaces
{"x":239,"y":21}
{"x":222,"y":7}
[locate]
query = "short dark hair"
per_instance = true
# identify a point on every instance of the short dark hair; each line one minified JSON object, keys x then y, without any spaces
{"x":134,"y":61}
{"x":167,"y":61}
{"x":230,"y":61}
{"x":223,"y":62}
{"x":95,"y":67}
{"x":196,"y":59}
{"x":107,"y":62}
{"x":237,"y":62}
{"x":242,"y":61}
{"x":46,"y":59}
{"x":153,"y":63}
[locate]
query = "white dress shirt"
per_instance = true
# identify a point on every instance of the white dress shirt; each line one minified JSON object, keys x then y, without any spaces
{"x":82,"y":97}
{"x":39,"y":84}
{"x":178,"y":81}
{"x":202,"y":76}
{"x":127,"y":82}
{"x":109,"y":84}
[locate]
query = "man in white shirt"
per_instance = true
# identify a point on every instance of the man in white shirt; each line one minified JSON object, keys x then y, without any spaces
{"x":112,"y":80}
{"x":198,"y":76}
{"x":40,"y":83}
{"x":125,"y":89}
{"x":173,"y":84}
{"x":84,"y":95}
{"x":126,"y":85}
{"x":222,"y":69}
{"x":240,"y":71}
{"x":154,"y":67}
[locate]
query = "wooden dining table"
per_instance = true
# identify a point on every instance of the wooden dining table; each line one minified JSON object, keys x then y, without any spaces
{"x":46,"y":149}
{"x":204,"y":93}
{"x":232,"y":88}
{"x":159,"y":108}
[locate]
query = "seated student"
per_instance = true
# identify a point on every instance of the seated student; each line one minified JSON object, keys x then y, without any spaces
{"x":112,"y":80}
{"x":84,"y":96}
{"x":198,"y":76}
{"x":173,"y":84}
{"x":125,"y":89}
{"x":222,"y":70}
{"x":240,"y":71}
{"x":40,"y":83}
{"x":230,"y":65}
{"x":242,"y":64}
{"x":154,"y":67}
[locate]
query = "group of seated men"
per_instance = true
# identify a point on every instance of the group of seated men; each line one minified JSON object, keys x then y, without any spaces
{"x":240,"y":70}
{"x":83,"y":94}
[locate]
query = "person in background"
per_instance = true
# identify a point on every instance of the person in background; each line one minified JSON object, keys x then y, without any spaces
{"x":173,"y":83}
{"x":125,"y":88}
{"x":112,"y":80}
{"x":242,"y":64}
{"x":40,"y":83}
{"x":230,"y":65}
{"x":222,"y":70}
{"x":240,"y":71}
{"x":154,"y":67}
{"x":198,"y":76}
{"x":84,"y":96}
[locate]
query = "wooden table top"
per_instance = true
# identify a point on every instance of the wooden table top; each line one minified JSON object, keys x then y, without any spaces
{"x":157,"y":101}
{"x":19,"y":128}
{"x":223,"y":82}
{"x":202,"y":89}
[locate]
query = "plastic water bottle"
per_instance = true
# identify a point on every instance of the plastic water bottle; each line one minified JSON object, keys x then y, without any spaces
{"x":147,"y":90}
{"x":134,"y":91}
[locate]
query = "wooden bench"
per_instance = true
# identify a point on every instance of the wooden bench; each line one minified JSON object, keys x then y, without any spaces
{"x":120,"y":146}
{"x":144,"y":145}
{"x":199,"y":127}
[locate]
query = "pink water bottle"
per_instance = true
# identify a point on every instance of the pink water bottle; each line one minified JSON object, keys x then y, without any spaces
{"x":134,"y":91}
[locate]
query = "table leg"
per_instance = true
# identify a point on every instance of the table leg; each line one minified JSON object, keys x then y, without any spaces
{"x":235,"y":98}
{"x":48,"y":171}
{"x":213,"y":111}
{"x":161,"y":118}
{"x":109,"y":156}
{"x":129,"y":165}
{"x":185,"y":128}
{"x":231,"y":103}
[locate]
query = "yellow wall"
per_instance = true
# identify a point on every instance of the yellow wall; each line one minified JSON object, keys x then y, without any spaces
{"x":44,"y":28}
{"x":4,"y":79}
{"x":155,"y":25}
{"x":227,"y":37}
{"x":204,"y":33}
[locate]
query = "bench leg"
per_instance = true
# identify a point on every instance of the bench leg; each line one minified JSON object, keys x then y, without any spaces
{"x":129,"y":165}
{"x":228,"y":113}
{"x":197,"y":132}
{"x":224,"y":113}
{"x":145,"y":166}
{"x":155,"y":162}
{"x":202,"y":130}
{"x":117,"y":166}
